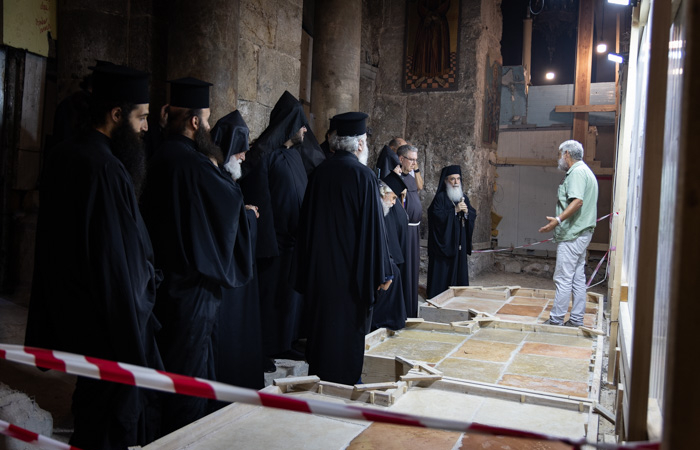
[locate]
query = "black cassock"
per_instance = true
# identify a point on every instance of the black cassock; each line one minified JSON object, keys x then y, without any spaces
{"x":275,"y":180}
{"x":386,"y":161}
{"x":412,"y":255}
{"x":238,"y":355}
{"x":94,"y":286}
{"x":194,"y":215}
{"x":449,"y":242}
{"x":342,"y":257}
{"x":390,"y":309}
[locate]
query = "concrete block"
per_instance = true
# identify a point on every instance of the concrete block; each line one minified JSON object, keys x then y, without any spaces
{"x":277,"y":73}
{"x":287,"y":368}
{"x":18,"y":409}
{"x":256,"y":116}
{"x":513,"y":267}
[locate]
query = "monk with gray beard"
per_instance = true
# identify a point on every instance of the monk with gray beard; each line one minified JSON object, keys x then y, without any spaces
{"x":450,"y":227}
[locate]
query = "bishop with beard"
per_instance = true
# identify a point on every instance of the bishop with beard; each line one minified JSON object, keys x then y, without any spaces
{"x":192,"y":210}
{"x":94,"y":281}
{"x":450,"y":227}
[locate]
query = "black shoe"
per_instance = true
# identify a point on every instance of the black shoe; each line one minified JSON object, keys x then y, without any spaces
{"x":551,"y":322}
{"x":571,"y":324}
{"x":269,"y":365}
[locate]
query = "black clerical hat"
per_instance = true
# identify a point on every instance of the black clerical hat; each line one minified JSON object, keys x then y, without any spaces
{"x":452,"y":170}
{"x":351,"y":123}
{"x":189,"y":93}
{"x":116,"y":83}
{"x":395,"y":182}
{"x":333,"y":125}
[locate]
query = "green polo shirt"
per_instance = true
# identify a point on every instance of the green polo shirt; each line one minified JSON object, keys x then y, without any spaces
{"x":579,"y":182}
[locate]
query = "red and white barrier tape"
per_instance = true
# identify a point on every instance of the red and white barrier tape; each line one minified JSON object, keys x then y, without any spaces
{"x":32,"y":438}
{"x":168,"y":382}
{"x":510,"y":249}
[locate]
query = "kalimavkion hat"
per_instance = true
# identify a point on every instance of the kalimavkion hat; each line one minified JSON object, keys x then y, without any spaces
{"x":395,"y":182}
{"x":351,"y":123}
{"x":189,"y":93}
{"x":116,"y":83}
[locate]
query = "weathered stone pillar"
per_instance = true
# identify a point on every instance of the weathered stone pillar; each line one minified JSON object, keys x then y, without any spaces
{"x":203,"y":43}
{"x":335,"y":83}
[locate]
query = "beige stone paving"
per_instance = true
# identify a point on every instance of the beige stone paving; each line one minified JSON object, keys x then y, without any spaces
{"x":464,"y":303}
{"x":499,"y":335}
{"x":485,"y":351}
{"x":560,"y":351}
{"x":384,"y":436}
{"x":550,"y":367}
{"x":487,"y":372}
{"x":413,"y":349}
{"x":560,"y":339}
{"x":439,"y":404}
{"x":529,"y":301}
{"x":563,"y":387}
{"x":435,"y":336}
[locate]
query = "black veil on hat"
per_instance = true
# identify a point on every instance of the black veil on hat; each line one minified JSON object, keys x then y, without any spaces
{"x":231,"y":134}
{"x":395,"y":182}
{"x":286,"y":118}
{"x":446,"y":172}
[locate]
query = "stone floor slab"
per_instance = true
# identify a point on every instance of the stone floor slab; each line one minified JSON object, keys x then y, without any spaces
{"x":434,"y":336}
{"x":480,"y":442}
{"x":487,"y":372}
{"x":529,"y":417}
{"x":560,"y":339}
{"x":499,"y":335}
{"x":439,"y":404}
{"x":520,"y":310}
{"x":549,"y":367}
{"x":575,"y":388}
{"x":559,"y":351}
{"x":383,"y":436}
{"x":413,"y":349}
{"x":464,"y":303}
{"x":485,"y":351}
{"x":521,"y":319}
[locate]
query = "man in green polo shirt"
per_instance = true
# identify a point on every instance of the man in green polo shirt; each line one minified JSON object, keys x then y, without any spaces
{"x":573,"y":228}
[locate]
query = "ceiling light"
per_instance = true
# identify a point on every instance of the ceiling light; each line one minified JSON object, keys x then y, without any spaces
{"x":549,"y":75}
{"x":602,"y":47}
{"x":614,"y":57}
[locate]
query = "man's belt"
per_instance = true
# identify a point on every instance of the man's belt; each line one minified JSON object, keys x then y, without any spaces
{"x":413,"y":224}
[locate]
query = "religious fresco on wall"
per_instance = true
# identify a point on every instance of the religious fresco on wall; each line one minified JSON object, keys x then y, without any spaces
{"x":431,"y":56}
{"x":492,"y":103}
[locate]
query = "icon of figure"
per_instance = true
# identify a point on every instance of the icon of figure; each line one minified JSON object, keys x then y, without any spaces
{"x":431,"y":51}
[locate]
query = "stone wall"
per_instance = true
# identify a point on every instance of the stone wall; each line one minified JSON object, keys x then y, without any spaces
{"x":269,"y":52}
{"x":445,"y":126}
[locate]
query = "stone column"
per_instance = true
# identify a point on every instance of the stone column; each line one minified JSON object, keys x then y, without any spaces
{"x":203,"y":43}
{"x":335,"y":84}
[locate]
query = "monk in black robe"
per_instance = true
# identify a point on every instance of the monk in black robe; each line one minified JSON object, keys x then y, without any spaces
{"x":238,"y":356}
{"x":274,"y":179}
{"x":94,"y":279}
{"x":193,"y":213}
{"x":408,"y":156}
{"x":390,"y":311}
{"x":387,"y":161}
{"x":450,"y":228}
{"x":342,"y":255}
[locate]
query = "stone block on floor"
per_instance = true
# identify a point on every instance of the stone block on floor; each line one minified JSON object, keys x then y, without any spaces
{"x":18,"y":409}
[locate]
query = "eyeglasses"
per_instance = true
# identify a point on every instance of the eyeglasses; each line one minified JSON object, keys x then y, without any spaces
{"x":410,"y":159}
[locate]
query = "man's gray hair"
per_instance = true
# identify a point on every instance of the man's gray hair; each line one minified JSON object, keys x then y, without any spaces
{"x":406,"y":149}
{"x":384,"y":188}
{"x":347,"y":143}
{"x":574,"y":148}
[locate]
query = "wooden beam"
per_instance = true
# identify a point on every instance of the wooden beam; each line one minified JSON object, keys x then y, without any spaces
{"x":645,"y":289}
{"x":584,"y":61}
{"x":584,"y":108}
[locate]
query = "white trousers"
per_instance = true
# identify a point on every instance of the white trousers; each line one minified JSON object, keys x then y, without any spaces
{"x":569,"y":277}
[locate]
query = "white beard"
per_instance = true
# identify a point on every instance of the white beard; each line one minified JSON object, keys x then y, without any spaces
{"x":386,"y":206}
{"x":233,"y":166}
{"x":363,"y":157}
{"x":454,"y":193}
{"x":562,"y":165}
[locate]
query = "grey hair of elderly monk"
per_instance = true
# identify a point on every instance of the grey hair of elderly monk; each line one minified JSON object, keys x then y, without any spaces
{"x":573,"y":148}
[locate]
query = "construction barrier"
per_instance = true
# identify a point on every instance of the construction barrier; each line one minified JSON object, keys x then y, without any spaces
{"x":129,"y":374}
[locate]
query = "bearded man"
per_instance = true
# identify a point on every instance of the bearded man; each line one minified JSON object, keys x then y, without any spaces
{"x":450,"y":227}
{"x":94,"y":280}
{"x":390,"y":308}
{"x":342,"y":248}
{"x":192,"y":210}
